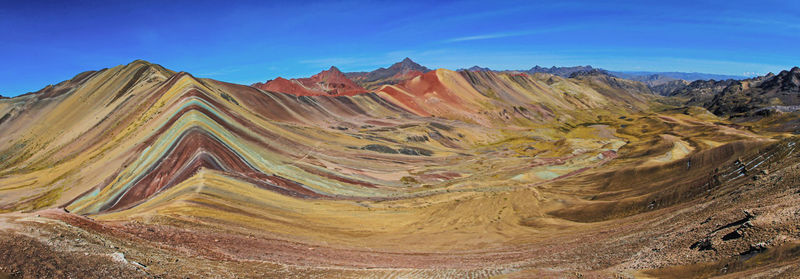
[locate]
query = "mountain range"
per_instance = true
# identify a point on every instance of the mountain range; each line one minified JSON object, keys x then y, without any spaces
{"x":645,"y":76}
{"x":650,"y":78}
{"x":142,"y":171}
{"x":729,"y":98}
{"x":663,"y":83}
{"x":560,"y":71}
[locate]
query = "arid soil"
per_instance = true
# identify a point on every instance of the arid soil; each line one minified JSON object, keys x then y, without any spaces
{"x":140,"y":171}
{"x":730,"y":230}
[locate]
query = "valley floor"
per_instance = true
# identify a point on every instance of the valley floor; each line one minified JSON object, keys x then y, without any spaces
{"x":730,"y":229}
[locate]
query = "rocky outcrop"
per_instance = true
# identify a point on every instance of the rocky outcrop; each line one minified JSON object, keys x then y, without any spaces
{"x":701,"y":92}
{"x":786,"y":81}
{"x":744,"y":98}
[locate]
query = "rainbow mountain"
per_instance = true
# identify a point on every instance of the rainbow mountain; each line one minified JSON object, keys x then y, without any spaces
{"x":407,"y":172}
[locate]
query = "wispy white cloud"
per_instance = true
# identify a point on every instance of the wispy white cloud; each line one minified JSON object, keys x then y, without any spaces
{"x":499,"y":35}
{"x":488,"y":36}
{"x":753,"y":74}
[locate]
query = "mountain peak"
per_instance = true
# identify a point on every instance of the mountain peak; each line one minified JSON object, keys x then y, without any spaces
{"x":142,"y":66}
{"x":785,"y":81}
{"x":327,"y":82}
{"x":330,"y":75}
{"x":334,"y":69}
{"x":140,"y":61}
{"x":408,"y":65}
{"x":477,"y":68}
{"x":791,"y":72}
{"x":143,"y":63}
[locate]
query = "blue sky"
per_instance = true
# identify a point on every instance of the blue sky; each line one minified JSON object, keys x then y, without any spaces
{"x":244,"y":42}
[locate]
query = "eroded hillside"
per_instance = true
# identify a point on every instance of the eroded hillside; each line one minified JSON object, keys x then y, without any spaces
{"x":431,"y":174}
